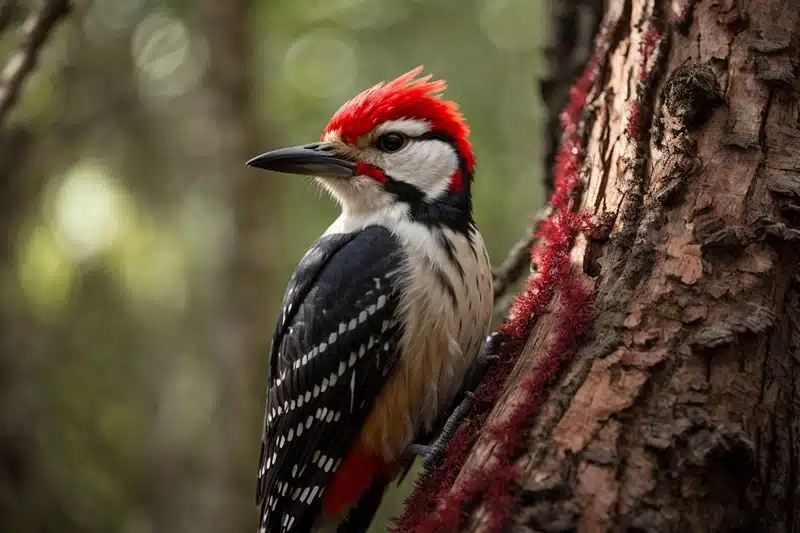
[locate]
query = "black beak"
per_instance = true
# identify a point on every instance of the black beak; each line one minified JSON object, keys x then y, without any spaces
{"x":317,"y":159}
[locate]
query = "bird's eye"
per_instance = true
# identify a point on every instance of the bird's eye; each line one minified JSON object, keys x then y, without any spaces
{"x":391,"y":142}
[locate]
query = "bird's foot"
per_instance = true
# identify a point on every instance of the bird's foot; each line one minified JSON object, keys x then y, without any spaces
{"x":432,"y":452}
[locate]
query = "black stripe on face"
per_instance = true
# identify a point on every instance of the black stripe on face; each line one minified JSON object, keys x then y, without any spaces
{"x":453,"y":210}
{"x":409,"y":193}
{"x":404,"y":191}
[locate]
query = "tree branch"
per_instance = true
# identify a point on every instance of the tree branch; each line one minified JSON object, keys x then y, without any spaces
{"x":518,"y":257}
{"x":36,"y":30}
{"x":513,"y":266}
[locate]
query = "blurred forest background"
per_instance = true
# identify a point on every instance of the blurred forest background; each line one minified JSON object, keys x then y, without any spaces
{"x":143,"y":263}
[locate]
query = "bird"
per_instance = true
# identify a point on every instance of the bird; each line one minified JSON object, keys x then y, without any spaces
{"x":384,"y":320}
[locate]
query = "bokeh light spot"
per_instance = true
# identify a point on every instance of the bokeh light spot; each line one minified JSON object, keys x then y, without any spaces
{"x":87,"y":211}
{"x":169,"y":61}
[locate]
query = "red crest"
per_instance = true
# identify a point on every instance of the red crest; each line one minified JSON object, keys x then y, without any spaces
{"x":403,"y":98}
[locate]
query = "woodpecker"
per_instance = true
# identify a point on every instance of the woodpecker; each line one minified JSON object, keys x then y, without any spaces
{"x":385,"y":316}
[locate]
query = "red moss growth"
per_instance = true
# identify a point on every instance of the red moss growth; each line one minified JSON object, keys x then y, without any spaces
{"x":646,"y":47}
{"x":434,"y":507}
{"x":634,"y":126}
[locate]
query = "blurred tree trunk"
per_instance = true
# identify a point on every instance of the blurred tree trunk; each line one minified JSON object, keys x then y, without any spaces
{"x":245,"y":331}
{"x":235,"y":332}
{"x":17,"y":420}
{"x":680,"y":410}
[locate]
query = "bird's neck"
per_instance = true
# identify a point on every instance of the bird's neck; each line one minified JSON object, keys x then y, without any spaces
{"x":433,"y":215}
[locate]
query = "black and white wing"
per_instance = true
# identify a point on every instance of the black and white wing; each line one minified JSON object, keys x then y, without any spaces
{"x":335,"y":342}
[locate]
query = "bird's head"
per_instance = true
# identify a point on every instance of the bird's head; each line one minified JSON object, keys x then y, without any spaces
{"x":395,"y":143}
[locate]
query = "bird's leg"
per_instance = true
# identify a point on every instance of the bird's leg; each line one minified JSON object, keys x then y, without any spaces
{"x":432,"y":452}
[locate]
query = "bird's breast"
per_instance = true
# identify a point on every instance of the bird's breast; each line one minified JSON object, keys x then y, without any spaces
{"x":446,"y":307}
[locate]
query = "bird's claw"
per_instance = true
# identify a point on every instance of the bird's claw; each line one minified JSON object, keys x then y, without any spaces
{"x":432,"y":453}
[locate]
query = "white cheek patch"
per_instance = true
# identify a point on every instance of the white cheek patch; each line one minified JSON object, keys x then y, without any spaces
{"x":428,"y":165}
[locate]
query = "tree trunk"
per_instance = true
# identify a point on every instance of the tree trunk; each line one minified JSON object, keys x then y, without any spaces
{"x":653,"y":360}
{"x":241,"y":334}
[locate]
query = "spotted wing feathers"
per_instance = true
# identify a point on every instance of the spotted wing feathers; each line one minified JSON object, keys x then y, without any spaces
{"x":335,"y":343}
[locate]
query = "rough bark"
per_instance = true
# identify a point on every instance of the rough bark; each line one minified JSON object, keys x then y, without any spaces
{"x":680,"y":411}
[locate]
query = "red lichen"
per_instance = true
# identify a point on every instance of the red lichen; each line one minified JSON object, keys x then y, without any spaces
{"x":434,"y":507}
{"x":634,"y":126}
{"x":646,"y":48}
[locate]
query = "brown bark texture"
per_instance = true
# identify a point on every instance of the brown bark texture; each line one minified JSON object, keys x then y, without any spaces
{"x":680,"y":411}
